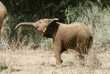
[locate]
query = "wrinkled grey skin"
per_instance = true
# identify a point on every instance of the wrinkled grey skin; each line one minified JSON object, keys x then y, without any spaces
{"x":3,"y":14}
{"x":74,"y":36}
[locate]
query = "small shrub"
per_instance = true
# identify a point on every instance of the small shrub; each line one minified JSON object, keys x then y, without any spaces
{"x":6,"y":65}
{"x":48,"y":43}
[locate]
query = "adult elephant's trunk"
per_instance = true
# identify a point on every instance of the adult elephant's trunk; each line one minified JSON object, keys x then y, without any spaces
{"x":25,"y":24}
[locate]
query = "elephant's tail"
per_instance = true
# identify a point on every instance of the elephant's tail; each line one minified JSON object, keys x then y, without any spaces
{"x":90,"y":42}
{"x":88,"y":45}
{"x":25,"y":24}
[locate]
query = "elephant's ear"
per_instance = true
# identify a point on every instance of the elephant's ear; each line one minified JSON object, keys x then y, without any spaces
{"x":25,"y":24}
{"x":49,"y":21}
{"x":55,"y":19}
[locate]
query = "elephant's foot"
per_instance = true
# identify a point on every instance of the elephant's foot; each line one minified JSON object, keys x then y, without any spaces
{"x":59,"y":61}
{"x":59,"y":66}
{"x":81,"y":61}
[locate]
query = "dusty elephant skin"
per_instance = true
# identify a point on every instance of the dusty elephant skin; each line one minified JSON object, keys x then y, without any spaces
{"x":3,"y":14}
{"x":74,"y":36}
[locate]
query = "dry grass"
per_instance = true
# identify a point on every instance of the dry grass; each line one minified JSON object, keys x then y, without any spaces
{"x":43,"y":62}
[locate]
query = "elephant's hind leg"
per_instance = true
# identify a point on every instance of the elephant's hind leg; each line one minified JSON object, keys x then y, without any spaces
{"x":81,"y":50}
{"x":81,"y":61}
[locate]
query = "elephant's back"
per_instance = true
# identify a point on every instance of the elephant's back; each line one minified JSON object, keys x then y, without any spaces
{"x":83,"y":28}
{"x":79,"y":24}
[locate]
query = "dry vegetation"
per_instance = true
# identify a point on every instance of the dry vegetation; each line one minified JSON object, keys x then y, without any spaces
{"x":26,"y":60}
{"x":43,"y":62}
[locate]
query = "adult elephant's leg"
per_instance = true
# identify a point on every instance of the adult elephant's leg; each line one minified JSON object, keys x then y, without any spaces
{"x":57,"y":49}
{"x":1,"y":23}
{"x":80,"y":43}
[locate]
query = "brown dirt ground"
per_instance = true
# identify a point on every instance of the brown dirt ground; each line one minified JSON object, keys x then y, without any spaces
{"x":43,"y":62}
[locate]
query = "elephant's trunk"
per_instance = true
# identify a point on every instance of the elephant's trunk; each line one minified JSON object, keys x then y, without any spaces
{"x":26,"y":23}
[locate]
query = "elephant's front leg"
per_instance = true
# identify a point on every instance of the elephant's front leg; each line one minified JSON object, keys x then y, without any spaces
{"x":57,"y":50}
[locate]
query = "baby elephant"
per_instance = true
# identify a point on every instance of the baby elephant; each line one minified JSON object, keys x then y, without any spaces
{"x":74,"y":36}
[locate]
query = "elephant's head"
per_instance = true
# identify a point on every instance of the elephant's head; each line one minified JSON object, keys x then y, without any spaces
{"x":44,"y":26}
